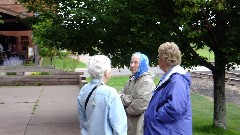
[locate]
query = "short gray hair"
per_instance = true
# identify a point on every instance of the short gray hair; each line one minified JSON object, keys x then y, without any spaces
{"x":97,"y":65}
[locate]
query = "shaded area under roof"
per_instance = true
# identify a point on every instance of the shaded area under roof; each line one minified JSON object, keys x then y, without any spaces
{"x":12,"y":22}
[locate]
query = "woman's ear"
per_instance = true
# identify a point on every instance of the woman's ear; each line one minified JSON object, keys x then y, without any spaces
{"x":105,"y":73}
{"x":106,"y":76}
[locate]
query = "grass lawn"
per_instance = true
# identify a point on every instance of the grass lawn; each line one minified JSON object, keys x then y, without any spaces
{"x":202,"y":109}
{"x":65,"y":63}
{"x":205,"y":53}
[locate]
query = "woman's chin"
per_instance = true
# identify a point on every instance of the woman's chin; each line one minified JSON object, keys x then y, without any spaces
{"x":133,"y":72}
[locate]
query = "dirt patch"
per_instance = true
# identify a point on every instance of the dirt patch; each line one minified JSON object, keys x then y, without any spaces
{"x":205,"y":87}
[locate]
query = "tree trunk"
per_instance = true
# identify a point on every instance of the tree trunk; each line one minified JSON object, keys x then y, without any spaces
{"x":51,"y":60}
{"x":219,"y":119}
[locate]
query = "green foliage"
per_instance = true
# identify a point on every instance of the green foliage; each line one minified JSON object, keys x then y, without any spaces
{"x":129,"y":26}
{"x":62,"y":54}
{"x":28,"y":63}
{"x":40,"y":73}
{"x":11,"y":73}
{"x":47,"y":52}
{"x":1,"y":21}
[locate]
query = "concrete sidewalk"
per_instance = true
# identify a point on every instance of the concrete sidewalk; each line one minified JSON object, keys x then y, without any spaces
{"x":39,"y":110}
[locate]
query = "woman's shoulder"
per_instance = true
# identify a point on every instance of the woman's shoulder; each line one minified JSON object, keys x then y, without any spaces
{"x":179,"y":77}
{"x":84,"y":88}
{"x":148,"y":74}
{"x":108,"y":89}
{"x":147,"y":77}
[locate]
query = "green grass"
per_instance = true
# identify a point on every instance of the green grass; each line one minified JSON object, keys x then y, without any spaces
{"x":205,"y":53}
{"x":65,"y":63}
{"x":118,"y":82}
{"x":202,"y":110}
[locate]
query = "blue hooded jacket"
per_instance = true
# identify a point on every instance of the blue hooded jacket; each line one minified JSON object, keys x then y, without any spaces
{"x":169,"y":111}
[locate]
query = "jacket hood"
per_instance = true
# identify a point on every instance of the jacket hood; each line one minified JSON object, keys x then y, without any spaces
{"x":177,"y":69}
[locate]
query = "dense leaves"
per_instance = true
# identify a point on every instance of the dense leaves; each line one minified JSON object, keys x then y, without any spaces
{"x":118,"y":28}
{"x":1,"y":21}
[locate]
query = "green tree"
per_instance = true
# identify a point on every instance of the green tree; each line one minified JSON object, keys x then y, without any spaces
{"x":48,"y":52}
{"x":67,"y":24}
{"x":118,"y":28}
{"x":1,"y":21}
{"x":214,"y":24}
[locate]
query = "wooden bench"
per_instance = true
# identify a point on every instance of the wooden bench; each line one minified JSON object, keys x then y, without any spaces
{"x":52,"y":76}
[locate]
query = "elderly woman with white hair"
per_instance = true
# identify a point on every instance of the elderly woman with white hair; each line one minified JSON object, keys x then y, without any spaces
{"x":101,"y":111}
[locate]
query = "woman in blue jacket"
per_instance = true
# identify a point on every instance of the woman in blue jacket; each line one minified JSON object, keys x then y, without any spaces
{"x":169,"y":111}
{"x":100,"y":108}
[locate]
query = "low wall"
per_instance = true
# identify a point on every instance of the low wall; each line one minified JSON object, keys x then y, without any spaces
{"x":230,"y":77}
{"x":53,"y":77}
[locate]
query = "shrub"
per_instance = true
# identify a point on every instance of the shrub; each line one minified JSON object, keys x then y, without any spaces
{"x":12,"y":61}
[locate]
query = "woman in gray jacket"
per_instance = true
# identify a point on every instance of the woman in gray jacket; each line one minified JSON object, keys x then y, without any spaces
{"x":137,"y":92}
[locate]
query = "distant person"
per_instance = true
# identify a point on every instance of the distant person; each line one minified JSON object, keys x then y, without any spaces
{"x":137,"y":92}
{"x":169,"y":111}
{"x":101,"y":111}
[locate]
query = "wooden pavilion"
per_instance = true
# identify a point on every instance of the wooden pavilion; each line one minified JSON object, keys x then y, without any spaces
{"x":15,"y":35}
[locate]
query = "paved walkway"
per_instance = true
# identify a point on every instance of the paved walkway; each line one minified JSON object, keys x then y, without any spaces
{"x":39,"y":110}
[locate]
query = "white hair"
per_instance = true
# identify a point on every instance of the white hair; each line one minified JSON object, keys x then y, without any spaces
{"x":137,"y":54}
{"x":97,"y":65}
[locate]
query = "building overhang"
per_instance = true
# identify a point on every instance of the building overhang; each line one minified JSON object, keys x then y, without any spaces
{"x":13,"y":13}
{"x":12,"y":20}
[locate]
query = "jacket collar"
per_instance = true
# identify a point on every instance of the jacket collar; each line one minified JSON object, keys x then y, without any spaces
{"x":176,"y":69}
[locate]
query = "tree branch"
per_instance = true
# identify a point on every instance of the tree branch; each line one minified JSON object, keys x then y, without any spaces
{"x":201,"y":61}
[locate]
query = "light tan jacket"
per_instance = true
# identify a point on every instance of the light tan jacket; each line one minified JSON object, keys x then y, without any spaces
{"x":135,"y":98}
